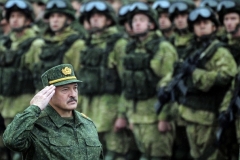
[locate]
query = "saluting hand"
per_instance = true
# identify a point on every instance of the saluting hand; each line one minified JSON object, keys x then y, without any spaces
{"x":42,"y":98}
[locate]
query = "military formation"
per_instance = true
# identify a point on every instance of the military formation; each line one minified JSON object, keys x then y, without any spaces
{"x":160,"y":79}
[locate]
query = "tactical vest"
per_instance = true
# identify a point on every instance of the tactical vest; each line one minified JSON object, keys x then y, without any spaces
{"x":234,"y":49}
{"x":14,"y":78}
{"x":139,"y":80}
{"x":52,"y":55}
{"x":97,"y":77}
{"x":197,"y":99}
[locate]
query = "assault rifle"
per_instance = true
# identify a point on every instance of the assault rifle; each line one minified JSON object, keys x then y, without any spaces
{"x":166,"y":94}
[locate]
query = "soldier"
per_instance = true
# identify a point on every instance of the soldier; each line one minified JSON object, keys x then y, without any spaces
{"x":165,"y":24}
{"x":100,"y":69}
{"x":178,"y":13}
{"x":229,"y":16}
{"x":149,"y":57}
{"x":18,"y":53}
{"x":51,"y":128}
{"x":63,"y":44}
{"x":205,"y":77}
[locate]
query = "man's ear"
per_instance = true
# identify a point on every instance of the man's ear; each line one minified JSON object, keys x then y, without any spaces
{"x":109,"y":22}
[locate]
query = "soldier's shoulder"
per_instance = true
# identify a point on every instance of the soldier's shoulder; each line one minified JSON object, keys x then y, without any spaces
{"x":38,"y":42}
{"x":83,"y":116}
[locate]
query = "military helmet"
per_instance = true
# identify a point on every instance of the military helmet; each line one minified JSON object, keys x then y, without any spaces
{"x":2,"y":2}
{"x":59,"y":6}
{"x":19,"y":5}
{"x":227,"y":6}
{"x":161,"y":6}
{"x":99,"y":6}
{"x":141,"y":7}
{"x":202,"y":13}
{"x":209,"y":3}
{"x":180,"y":6}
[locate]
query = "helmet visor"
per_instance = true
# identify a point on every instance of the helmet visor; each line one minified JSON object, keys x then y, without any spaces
{"x":19,"y":3}
{"x":100,"y":6}
{"x":140,"y":6}
{"x":226,"y":5}
{"x":161,"y":4}
{"x":199,"y":12}
{"x":124,"y":10}
{"x":56,"y":3}
{"x":181,"y":7}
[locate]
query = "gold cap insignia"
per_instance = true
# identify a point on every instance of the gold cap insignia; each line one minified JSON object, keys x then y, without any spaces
{"x":66,"y":71}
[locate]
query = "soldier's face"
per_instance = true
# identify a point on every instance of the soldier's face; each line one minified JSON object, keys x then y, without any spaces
{"x":18,"y":20}
{"x":141,"y":23}
{"x":164,"y":21}
{"x":98,"y":20}
{"x":231,"y":20}
{"x":203,"y":27}
{"x":180,"y":21}
{"x":57,"y":21}
{"x":65,"y":98}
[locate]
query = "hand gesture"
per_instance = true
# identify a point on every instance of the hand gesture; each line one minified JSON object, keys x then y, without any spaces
{"x":42,"y":98}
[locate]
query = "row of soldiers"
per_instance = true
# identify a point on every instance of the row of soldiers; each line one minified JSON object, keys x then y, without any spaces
{"x":167,"y":54}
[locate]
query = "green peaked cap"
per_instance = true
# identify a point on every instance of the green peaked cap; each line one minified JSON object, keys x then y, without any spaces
{"x":59,"y":75}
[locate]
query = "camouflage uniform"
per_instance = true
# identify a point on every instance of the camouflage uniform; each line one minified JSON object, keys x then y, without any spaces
{"x":228,"y":138}
{"x":206,"y":85}
{"x":17,"y":56}
{"x":145,"y":63}
{"x":62,"y":48}
{"x":44,"y":134}
{"x":100,"y":91}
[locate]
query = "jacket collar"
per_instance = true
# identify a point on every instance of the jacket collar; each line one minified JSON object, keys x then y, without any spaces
{"x":58,"y":120}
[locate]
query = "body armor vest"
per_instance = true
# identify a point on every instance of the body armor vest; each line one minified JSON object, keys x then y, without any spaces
{"x":14,"y":78}
{"x":97,"y":77}
{"x":139,"y":80}
{"x":52,"y":55}
{"x":197,"y":99}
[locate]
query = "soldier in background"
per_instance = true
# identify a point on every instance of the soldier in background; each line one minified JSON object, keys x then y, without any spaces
{"x":62,"y":43}
{"x":18,"y":54}
{"x":149,"y":57}
{"x":178,"y":12}
{"x":165,"y":24}
{"x":206,"y":75}
{"x":229,"y":16}
{"x":100,"y":70}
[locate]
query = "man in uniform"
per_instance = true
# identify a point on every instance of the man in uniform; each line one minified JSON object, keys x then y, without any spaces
{"x":100,"y":69}
{"x":18,"y":53}
{"x":51,"y":128}
{"x":204,"y":79}
{"x":165,"y":24}
{"x":149,"y":57}
{"x":229,"y":16}
{"x":62,"y":43}
{"x":178,"y":13}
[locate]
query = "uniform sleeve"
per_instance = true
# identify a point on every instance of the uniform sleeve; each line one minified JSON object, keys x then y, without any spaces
{"x":72,"y":56}
{"x":163,"y":61}
{"x":220,"y":69}
{"x":17,"y":134}
{"x":116,"y":56}
{"x":32,"y":56}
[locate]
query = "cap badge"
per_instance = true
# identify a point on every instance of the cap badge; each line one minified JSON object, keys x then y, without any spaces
{"x":66,"y":71}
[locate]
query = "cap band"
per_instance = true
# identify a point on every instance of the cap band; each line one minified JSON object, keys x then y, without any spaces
{"x":62,"y":79}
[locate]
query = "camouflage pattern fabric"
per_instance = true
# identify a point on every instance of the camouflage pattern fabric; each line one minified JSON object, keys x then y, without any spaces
{"x":46,"y":135}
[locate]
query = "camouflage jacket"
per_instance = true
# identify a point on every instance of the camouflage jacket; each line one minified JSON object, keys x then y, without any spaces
{"x":42,"y":135}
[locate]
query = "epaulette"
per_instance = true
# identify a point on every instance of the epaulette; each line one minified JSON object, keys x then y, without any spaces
{"x":85,"y":116}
